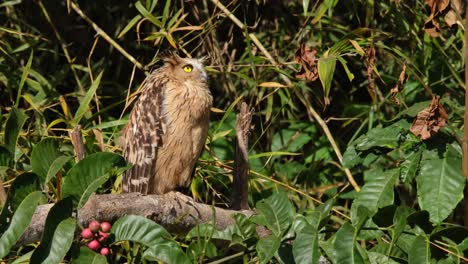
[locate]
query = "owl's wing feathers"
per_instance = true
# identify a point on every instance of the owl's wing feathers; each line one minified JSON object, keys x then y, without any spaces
{"x":143,"y":136}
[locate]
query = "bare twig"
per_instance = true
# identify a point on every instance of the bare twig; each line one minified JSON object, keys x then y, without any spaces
{"x":241,"y":162}
{"x":77,"y":141}
{"x":465,"y":129}
{"x":3,"y":194}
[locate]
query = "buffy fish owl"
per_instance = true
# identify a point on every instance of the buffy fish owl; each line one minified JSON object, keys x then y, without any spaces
{"x":167,"y":128}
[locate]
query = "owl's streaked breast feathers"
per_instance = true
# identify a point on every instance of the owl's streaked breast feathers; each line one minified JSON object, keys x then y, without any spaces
{"x":167,"y":127}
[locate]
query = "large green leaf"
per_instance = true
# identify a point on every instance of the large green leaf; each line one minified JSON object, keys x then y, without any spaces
{"x":267,"y":247}
{"x":138,"y":229}
{"x":387,"y":137}
{"x":376,"y":193}
{"x":20,"y":221}
{"x":440,"y":183}
{"x":23,"y":185}
{"x":58,"y":234}
{"x":61,"y":241}
{"x":87,"y":256}
{"x":43,"y":155}
{"x":305,"y":248}
{"x":85,"y":177}
{"x":420,"y":251}
{"x":278,"y":212}
{"x":13,"y":126}
{"x":326,"y":69}
{"x":166,"y":251}
{"x":344,"y":247}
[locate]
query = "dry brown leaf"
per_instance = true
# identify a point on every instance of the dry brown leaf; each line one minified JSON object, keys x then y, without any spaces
{"x":437,"y":6}
{"x":429,"y":120}
{"x":370,"y":54}
{"x":306,"y":57}
{"x":451,"y":18}
{"x":431,"y":26}
{"x":272,"y":85}
{"x":401,"y":80}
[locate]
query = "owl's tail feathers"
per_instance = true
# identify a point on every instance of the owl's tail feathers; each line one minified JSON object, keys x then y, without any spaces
{"x":136,"y":179}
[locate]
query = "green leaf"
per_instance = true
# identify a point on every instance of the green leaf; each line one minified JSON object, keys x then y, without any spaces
{"x":166,"y":251}
{"x":305,"y":248}
{"x":148,"y":15}
{"x":58,"y":234}
{"x":13,"y":126}
{"x":399,"y":221}
{"x":267,"y":247}
{"x":440,"y":183}
{"x":278,"y":211}
{"x":129,"y":26}
{"x":380,"y":258}
{"x":344,"y":246}
{"x":24,"y":76}
{"x":376,"y":193}
{"x":23,"y":185}
{"x":87,"y":256}
{"x":351,"y":157}
{"x":43,"y":155}
{"x":61,"y":241}
{"x":387,"y":137}
{"x":420,"y":251}
{"x":84,"y":103}
{"x":200,"y":248}
{"x":410,"y":165}
{"x":88,"y":174}
{"x":138,"y":229}
{"x":56,"y":166}
{"x":20,"y":221}
{"x":326,"y":69}
{"x":23,"y":259}
{"x":6,"y":157}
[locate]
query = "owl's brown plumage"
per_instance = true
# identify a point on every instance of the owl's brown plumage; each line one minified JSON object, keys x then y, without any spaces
{"x":167,"y":127}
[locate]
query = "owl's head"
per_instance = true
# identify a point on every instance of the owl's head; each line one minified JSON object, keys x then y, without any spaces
{"x":185,"y":68}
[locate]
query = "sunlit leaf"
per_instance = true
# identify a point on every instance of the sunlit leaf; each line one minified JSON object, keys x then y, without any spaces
{"x":88,"y":174}
{"x":43,"y":155}
{"x":20,"y":221}
{"x":440,"y":183}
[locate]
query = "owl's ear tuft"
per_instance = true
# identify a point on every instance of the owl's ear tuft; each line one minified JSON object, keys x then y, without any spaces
{"x":171,"y":57}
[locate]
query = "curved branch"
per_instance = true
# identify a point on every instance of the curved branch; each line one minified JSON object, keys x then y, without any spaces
{"x":174,"y":211}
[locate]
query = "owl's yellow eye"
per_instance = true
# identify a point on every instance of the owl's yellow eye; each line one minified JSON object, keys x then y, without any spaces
{"x":188,"y":68}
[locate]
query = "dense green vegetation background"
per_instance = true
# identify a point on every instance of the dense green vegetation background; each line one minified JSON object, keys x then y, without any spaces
{"x":370,"y":68}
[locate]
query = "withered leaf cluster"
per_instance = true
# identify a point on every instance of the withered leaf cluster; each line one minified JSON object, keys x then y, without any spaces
{"x":442,"y":8}
{"x":306,"y":57}
{"x":429,"y":120}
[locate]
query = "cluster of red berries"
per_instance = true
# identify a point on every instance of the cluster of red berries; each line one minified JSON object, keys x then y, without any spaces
{"x":96,"y":236}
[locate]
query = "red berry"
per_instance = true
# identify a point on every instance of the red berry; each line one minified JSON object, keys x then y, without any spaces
{"x":86,"y":233}
{"x":94,"y":245}
{"x":106,"y":227}
{"x":94,"y":226}
{"x":103,"y":236}
{"x":104,"y":251}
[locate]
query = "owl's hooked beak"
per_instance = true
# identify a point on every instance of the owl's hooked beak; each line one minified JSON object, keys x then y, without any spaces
{"x":203,"y":75}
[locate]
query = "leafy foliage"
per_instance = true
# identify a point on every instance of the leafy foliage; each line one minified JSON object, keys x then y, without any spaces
{"x":369,"y":69}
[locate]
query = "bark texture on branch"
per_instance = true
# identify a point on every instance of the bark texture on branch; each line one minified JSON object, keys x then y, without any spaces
{"x":174,"y":211}
{"x":241,"y":161}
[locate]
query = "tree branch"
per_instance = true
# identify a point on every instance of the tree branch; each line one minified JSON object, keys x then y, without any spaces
{"x":174,"y":211}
